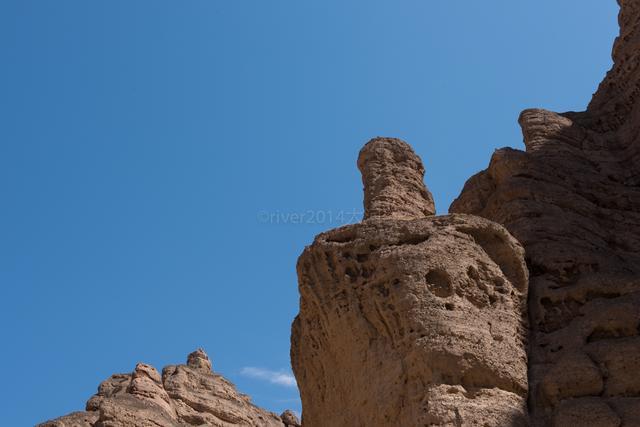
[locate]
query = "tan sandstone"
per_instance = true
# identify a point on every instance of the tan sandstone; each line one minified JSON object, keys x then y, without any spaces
{"x":184,"y":395}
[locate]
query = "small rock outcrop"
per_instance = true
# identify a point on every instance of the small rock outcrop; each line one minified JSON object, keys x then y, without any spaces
{"x":407,"y":318}
{"x":184,"y":395}
{"x":290,"y":419}
{"x":573,"y":200}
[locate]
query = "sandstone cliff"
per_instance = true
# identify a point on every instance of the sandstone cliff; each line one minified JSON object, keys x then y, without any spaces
{"x":573,"y":200}
{"x":184,"y":395}
{"x":408,"y":319}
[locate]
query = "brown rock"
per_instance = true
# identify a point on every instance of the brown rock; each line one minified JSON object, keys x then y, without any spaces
{"x":628,"y":408}
{"x":410,"y":320}
{"x":290,"y":419}
{"x":147,"y":384}
{"x":392,"y":176}
{"x":185,"y":395}
{"x":621,"y":363}
{"x":573,"y":200}
{"x":199,"y":360}
{"x":614,"y":106}
{"x":585,"y":412}
{"x":573,"y":375}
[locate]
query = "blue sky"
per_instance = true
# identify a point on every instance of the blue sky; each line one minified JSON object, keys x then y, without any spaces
{"x":154,"y":155}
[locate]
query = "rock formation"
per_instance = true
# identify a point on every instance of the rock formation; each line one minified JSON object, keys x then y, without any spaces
{"x":573,"y":200}
{"x":410,"y":319}
{"x":184,"y":395}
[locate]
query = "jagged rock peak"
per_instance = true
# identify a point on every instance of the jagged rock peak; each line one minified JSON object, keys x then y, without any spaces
{"x":182,"y":396}
{"x":613,"y":107}
{"x":392,"y":175}
{"x":199,"y":360}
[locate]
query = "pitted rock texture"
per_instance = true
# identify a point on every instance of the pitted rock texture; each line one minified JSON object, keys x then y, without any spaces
{"x":573,"y":200}
{"x":392,"y":175}
{"x":290,"y":419}
{"x":412,"y":322}
{"x":184,"y":395}
{"x":614,"y":107}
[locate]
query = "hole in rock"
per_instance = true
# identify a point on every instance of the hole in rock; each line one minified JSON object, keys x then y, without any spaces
{"x":439,"y":283}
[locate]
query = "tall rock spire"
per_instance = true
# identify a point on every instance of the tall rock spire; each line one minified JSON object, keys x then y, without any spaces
{"x":392,"y":175}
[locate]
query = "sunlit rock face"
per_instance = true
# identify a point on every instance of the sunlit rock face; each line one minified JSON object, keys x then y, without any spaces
{"x":407,"y":318}
{"x":573,"y":200}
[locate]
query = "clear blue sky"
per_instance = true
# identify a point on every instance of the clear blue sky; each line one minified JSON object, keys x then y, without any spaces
{"x":151,"y":153}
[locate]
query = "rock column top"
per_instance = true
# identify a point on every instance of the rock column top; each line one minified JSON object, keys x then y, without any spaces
{"x":199,"y":360}
{"x":392,"y":174}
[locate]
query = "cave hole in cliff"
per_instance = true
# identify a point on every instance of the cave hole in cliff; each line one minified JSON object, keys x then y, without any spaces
{"x":439,"y":283}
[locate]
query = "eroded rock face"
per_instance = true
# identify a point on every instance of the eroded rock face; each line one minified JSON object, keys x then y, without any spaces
{"x":407,"y":319}
{"x":184,"y":395}
{"x":573,"y":200}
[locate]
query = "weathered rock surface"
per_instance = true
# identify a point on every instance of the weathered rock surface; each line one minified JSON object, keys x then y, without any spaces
{"x":184,"y":395}
{"x":290,"y":419}
{"x":408,"y":319}
{"x":392,"y":175}
{"x":573,"y":200}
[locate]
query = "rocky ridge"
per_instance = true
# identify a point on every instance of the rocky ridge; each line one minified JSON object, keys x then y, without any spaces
{"x":184,"y":395}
